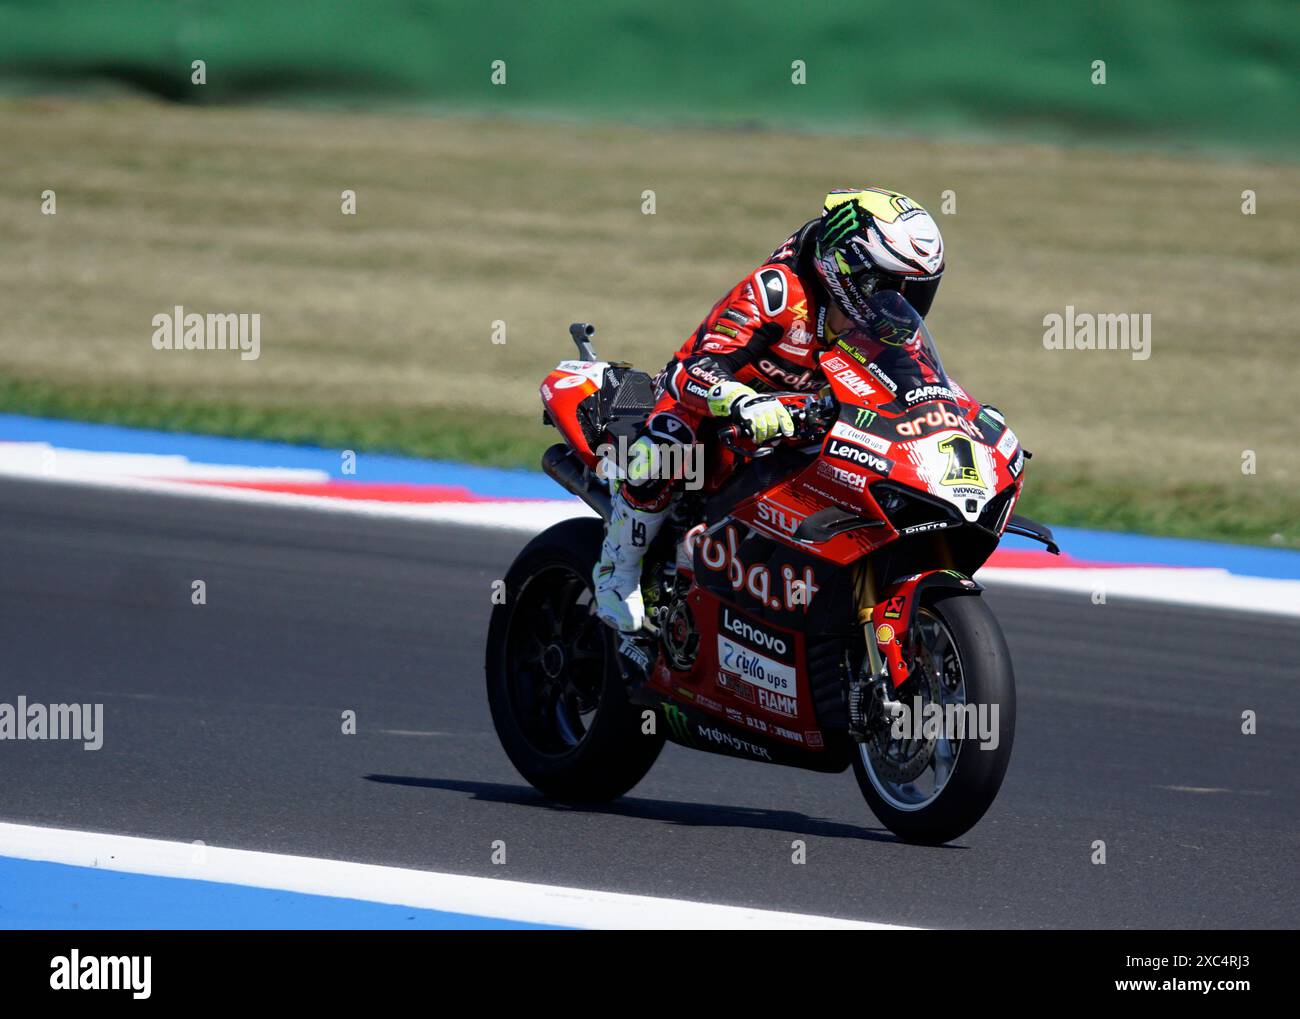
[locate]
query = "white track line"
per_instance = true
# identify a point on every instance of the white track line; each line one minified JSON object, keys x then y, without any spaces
{"x":1209,"y":588}
{"x":525,"y":516}
{"x":452,"y":893}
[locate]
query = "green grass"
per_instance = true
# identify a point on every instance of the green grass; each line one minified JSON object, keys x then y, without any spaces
{"x":437,"y":433}
{"x":376,"y":329}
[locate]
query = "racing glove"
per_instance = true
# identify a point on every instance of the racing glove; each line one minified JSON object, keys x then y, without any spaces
{"x":764,"y":416}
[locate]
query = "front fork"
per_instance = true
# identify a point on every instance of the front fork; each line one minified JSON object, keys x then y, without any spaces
{"x":871,"y":700}
{"x":887,"y":620}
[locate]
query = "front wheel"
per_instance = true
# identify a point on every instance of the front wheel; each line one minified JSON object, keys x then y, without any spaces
{"x":931,"y":775}
{"x":558,"y":700}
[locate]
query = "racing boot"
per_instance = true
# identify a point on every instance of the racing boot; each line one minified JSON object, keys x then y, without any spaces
{"x":618,"y":573}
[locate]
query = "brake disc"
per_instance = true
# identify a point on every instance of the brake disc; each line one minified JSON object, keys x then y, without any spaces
{"x":904,"y":760}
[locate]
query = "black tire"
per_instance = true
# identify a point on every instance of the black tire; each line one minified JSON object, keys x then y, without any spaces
{"x":977,"y":774}
{"x":539,"y":717}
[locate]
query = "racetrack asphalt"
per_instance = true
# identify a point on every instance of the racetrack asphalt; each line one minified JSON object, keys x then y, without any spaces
{"x":223,"y":724}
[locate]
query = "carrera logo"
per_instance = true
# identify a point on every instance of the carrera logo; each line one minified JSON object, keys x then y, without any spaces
{"x":754,"y":668}
{"x":754,"y":634}
{"x":777,"y":703}
{"x":924,"y":393}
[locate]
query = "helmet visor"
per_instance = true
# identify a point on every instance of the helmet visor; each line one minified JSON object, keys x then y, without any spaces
{"x":919,"y":293}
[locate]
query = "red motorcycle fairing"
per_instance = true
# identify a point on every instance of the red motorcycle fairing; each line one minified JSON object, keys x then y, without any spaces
{"x":902,"y":426}
{"x":782,"y":511}
{"x":776,"y":630}
{"x":892,"y":617}
{"x":563,"y":391}
{"x":755,"y":691}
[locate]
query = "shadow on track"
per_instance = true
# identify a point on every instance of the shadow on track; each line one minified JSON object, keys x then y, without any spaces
{"x":694,"y":815}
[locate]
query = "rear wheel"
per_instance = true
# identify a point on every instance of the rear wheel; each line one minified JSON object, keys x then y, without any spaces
{"x":558,"y":701}
{"x":931,"y":786}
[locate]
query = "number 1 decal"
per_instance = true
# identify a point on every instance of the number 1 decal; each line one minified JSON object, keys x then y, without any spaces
{"x":961,"y":462}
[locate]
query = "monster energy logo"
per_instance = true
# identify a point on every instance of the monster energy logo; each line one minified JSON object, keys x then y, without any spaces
{"x":840,"y":225}
{"x":864,"y":417}
{"x":678,"y":724}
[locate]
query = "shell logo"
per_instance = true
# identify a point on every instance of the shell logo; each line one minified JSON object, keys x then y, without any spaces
{"x":884,"y":633}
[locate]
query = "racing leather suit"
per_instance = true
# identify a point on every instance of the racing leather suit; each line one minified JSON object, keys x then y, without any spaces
{"x":762,"y":337}
{"x":764,"y":334}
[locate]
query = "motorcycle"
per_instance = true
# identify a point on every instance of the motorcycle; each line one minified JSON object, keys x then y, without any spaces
{"x":811,"y":605}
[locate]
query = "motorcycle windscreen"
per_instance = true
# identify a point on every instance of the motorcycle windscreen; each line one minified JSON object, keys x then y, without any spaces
{"x":897,"y":340}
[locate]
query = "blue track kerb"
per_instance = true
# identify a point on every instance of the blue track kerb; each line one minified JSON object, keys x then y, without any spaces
{"x":494,"y":482}
{"x":56,"y":896}
{"x":211,"y":449}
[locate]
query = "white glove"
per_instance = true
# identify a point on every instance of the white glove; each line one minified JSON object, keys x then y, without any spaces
{"x":765,"y":416}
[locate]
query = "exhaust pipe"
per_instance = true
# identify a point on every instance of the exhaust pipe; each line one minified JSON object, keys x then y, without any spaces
{"x":564,"y":467}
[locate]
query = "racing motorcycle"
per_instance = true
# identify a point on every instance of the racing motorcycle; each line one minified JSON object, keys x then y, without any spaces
{"x":811,"y":605}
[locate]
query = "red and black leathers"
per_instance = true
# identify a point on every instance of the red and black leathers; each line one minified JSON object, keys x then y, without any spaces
{"x":764,"y":334}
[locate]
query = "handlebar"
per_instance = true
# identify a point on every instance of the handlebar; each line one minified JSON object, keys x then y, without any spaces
{"x":811,"y":417}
